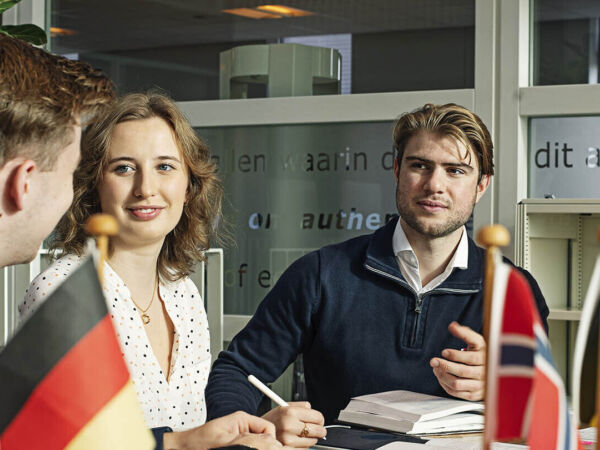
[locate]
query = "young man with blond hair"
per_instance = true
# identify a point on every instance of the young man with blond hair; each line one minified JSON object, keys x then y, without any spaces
{"x":44,"y":102}
{"x":398,"y":309}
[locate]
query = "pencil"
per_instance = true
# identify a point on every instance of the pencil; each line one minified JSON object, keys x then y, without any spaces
{"x":265,"y":390}
{"x":269,"y":393}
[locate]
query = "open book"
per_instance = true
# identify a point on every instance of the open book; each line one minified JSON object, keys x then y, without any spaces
{"x":413,"y":413}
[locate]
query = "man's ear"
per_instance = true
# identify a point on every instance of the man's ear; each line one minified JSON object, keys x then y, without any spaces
{"x":482,"y":186}
{"x":396,"y":170}
{"x":19,"y":183}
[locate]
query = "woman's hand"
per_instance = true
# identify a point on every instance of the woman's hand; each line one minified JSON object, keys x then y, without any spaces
{"x":237,"y":428}
{"x":258,"y":441}
{"x":297,"y":425}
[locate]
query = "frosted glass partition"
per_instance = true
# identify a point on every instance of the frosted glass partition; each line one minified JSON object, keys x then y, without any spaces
{"x":564,"y":157}
{"x":294,"y":188}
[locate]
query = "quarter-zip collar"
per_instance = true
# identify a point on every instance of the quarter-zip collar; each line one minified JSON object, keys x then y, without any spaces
{"x":380,"y":259}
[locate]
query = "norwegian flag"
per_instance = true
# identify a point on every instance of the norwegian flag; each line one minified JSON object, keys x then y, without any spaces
{"x":526,"y":399}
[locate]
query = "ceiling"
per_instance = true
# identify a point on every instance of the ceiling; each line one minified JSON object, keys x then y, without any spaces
{"x":114,"y":25}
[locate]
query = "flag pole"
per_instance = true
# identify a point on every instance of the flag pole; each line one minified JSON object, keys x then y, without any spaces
{"x":102,"y":226}
{"x":597,"y":447}
{"x":491,"y":237}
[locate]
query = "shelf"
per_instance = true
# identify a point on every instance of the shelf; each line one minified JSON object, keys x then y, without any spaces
{"x":565,"y":314}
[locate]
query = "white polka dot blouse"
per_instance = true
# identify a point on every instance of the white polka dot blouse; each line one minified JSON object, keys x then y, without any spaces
{"x":178,"y":403}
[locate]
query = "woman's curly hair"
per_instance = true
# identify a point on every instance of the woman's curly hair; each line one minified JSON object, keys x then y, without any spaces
{"x":184,"y":245}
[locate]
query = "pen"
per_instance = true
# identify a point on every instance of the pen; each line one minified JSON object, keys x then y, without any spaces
{"x":265,"y":390}
{"x":268,"y":392}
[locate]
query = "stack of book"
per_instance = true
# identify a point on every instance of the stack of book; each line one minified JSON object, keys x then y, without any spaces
{"x":413,"y":413}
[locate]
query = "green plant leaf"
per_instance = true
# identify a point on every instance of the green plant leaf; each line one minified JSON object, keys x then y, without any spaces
{"x":6,"y":4}
{"x":30,"y":33}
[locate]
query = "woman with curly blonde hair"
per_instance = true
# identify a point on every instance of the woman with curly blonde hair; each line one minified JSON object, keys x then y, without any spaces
{"x":143,"y":163}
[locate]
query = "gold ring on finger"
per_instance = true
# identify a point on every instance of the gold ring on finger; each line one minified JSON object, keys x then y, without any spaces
{"x":304,"y":432}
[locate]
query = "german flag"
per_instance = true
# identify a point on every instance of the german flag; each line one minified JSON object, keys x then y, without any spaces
{"x":63,"y":381}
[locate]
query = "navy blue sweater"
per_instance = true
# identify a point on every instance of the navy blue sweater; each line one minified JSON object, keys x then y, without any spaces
{"x":359,"y":326}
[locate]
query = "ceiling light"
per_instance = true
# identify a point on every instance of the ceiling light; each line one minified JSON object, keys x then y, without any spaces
{"x":285,"y":11}
{"x":251,"y":13}
{"x":55,"y":31}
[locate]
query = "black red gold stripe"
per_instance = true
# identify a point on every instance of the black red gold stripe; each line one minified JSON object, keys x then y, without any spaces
{"x":63,"y":381}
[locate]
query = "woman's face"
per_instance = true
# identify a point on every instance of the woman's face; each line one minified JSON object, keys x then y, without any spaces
{"x":145,"y":182}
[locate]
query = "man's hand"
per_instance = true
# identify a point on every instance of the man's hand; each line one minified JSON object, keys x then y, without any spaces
{"x":238,"y":428}
{"x":461,"y":373}
{"x":297,"y":424}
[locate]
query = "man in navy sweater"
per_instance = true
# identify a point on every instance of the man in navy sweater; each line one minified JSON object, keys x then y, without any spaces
{"x":398,"y":309}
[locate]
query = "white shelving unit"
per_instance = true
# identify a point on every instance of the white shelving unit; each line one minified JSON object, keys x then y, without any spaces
{"x":555,"y":239}
{"x":564,"y":314}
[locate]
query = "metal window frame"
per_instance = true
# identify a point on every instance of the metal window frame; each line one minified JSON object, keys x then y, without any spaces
{"x":209,"y":281}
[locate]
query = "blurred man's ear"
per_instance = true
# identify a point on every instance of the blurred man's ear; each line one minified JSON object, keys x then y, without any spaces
{"x":18,"y":181}
{"x":482,"y":186}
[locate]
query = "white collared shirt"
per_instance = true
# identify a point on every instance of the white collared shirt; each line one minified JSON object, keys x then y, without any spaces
{"x":409,"y":265}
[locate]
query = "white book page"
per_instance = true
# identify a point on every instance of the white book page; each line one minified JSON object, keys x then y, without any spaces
{"x":588,"y":434}
{"x":403,"y":445}
{"x":446,"y":444}
{"x":470,"y":443}
{"x":420,"y":407}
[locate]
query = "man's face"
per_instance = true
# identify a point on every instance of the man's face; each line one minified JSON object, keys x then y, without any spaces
{"x":50,"y":195}
{"x":436,"y":184}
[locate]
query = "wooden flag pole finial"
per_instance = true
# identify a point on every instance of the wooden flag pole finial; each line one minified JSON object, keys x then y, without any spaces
{"x":102,"y":226}
{"x":491,"y":237}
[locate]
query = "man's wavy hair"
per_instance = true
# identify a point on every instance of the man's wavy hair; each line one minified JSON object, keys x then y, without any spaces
{"x":41,"y":97}
{"x":448,"y":120}
{"x":184,"y":245}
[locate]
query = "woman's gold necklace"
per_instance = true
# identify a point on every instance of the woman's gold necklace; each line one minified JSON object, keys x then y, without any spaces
{"x":146,"y":317}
